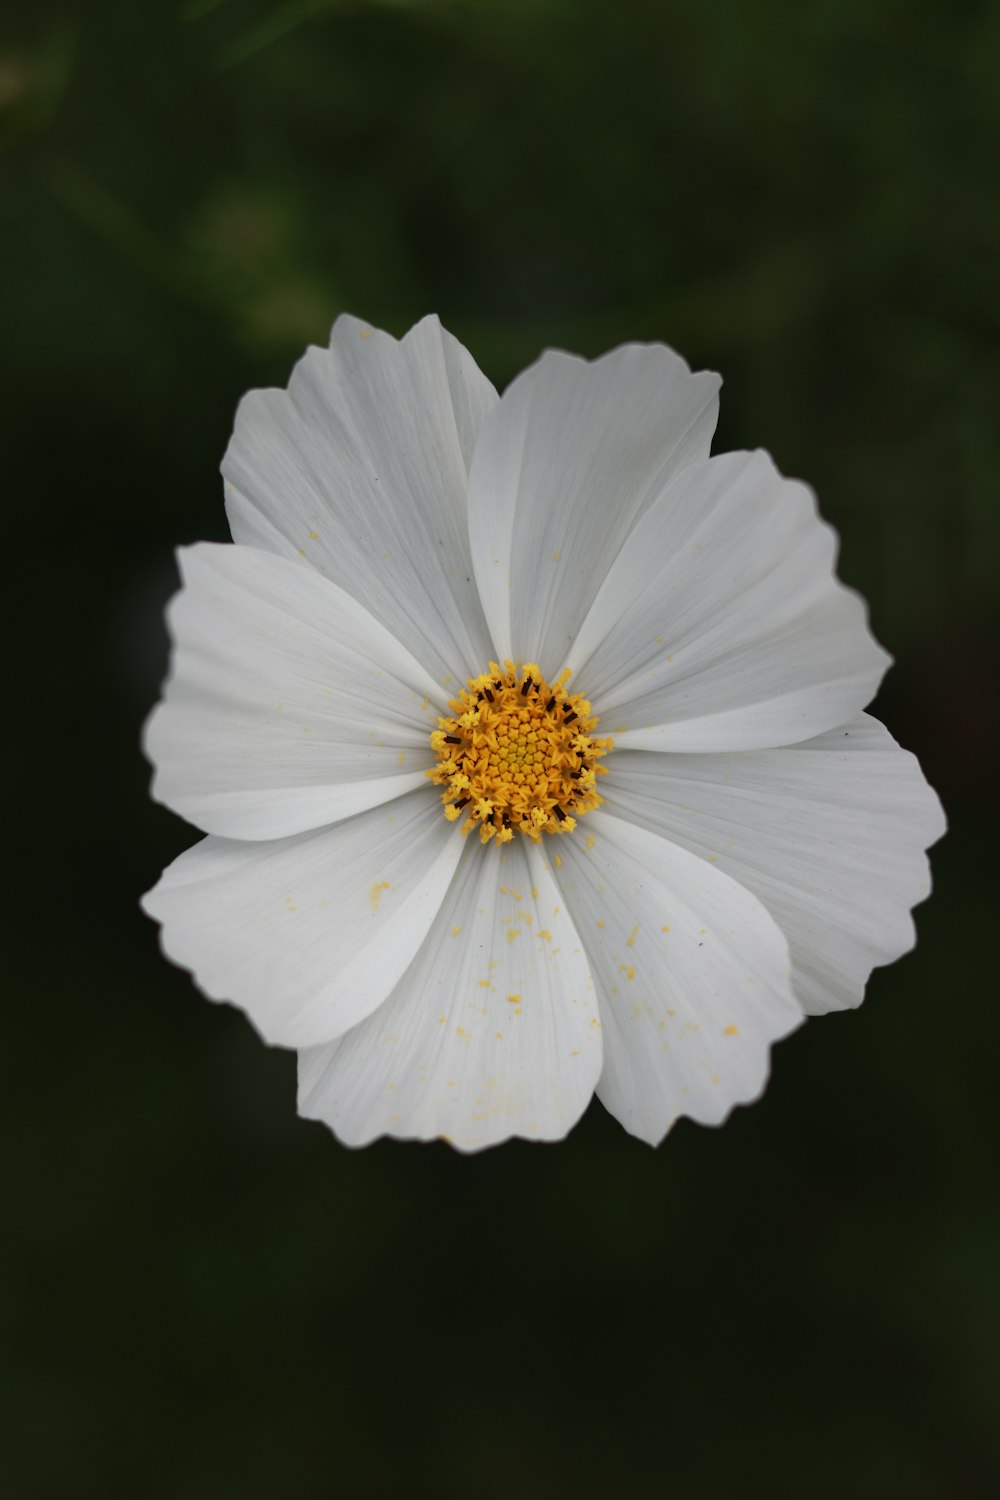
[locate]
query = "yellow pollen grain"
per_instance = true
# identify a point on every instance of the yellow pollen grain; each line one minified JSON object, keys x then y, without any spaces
{"x":375,"y":894}
{"x":630,"y":943}
{"x":627,"y":970}
{"x":665,"y":927}
{"x":517,"y":755}
{"x":600,"y":923}
{"x":456,"y":930}
{"x":512,"y":933}
{"x":731,"y":1031}
{"x":514,"y":999}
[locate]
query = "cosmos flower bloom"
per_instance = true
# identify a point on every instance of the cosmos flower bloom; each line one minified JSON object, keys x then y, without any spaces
{"x":528,"y":740}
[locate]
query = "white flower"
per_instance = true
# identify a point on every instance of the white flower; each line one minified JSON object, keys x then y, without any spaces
{"x":407,"y":541}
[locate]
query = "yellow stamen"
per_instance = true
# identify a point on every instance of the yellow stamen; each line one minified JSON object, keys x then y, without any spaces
{"x":517,"y":755}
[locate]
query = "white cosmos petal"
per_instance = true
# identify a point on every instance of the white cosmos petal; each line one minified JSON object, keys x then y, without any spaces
{"x":309,"y":934}
{"x":828,"y":834}
{"x":362,"y":466}
{"x":287,"y":705}
{"x":573,"y":454}
{"x":251,"y":528}
{"x":721,"y":625}
{"x":491,"y":1032}
{"x":692,"y":974}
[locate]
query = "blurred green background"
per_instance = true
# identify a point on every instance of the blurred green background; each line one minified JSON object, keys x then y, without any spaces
{"x":203,"y":1297}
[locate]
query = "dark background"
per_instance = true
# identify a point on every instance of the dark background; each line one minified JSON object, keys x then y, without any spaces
{"x":203,"y":1297}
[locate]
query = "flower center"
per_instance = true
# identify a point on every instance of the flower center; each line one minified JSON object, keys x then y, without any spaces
{"x":517,"y":756}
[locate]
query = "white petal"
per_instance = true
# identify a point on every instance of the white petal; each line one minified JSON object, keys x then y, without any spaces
{"x":309,"y":934}
{"x":492,"y":1031}
{"x":829,"y":835}
{"x":362,"y":467}
{"x":251,"y":528}
{"x":721,"y":624}
{"x":572,"y":455}
{"x":692,"y":974}
{"x":287,"y":706}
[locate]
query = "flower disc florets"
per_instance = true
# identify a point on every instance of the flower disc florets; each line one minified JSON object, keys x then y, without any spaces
{"x":517,"y":755}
